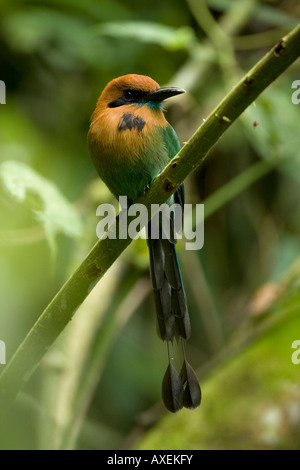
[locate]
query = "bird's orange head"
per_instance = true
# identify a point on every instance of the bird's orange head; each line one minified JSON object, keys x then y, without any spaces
{"x":127,"y":135}
{"x":132,"y":89}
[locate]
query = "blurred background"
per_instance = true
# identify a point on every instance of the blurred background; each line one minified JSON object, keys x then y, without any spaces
{"x":99,"y":386}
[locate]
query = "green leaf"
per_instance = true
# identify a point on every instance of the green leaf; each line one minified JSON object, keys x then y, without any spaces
{"x":274,"y":139}
{"x":153,"y":33}
{"x":37,"y":30}
{"x":49,"y":207}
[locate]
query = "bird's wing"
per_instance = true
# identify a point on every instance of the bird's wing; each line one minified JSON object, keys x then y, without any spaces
{"x":172,"y":145}
{"x":171,"y":141}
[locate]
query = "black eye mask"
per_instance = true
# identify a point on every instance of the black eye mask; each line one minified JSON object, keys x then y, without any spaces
{"x":130,"y":97}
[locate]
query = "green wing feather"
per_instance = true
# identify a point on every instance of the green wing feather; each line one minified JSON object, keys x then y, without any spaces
{"x":173,"y":146}
{"x":171,"y":141}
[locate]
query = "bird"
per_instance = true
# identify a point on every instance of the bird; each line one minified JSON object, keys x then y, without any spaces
{"x":130,"y":142}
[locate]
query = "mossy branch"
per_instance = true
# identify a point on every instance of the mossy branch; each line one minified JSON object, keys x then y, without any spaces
{"x":63,"y":306}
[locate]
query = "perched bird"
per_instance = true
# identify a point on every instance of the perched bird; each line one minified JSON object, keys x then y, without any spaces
{"x":130,"y":142}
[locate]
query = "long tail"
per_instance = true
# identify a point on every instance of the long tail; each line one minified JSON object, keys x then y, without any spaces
{"x":173,"y":320}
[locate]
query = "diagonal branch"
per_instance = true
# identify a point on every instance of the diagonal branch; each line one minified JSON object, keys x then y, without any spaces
{"x":63,"y":306}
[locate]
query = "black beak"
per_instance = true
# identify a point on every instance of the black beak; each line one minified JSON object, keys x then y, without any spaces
{"x":163,"y":93}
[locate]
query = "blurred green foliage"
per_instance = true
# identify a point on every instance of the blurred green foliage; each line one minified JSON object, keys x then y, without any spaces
{"x":106,"y":368}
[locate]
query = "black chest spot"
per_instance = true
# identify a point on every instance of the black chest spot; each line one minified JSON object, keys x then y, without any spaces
{"x":130,"y":121}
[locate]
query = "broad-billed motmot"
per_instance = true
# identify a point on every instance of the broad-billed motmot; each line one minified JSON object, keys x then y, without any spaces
{"x":130,"y":142}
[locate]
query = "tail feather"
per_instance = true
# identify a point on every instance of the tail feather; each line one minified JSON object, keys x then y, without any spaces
{"x":156,"y":264}
{"x":169,"y":295}
{"x":171,"y":266}
{"x":172,"y":320}
{"x":165,"y":320}
{"x":182,"y":319}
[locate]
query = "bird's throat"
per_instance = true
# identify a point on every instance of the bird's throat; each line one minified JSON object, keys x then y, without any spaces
{"x":131,"y":121}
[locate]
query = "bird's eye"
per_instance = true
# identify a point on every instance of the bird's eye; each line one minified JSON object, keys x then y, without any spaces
{"x":128,"y":95}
